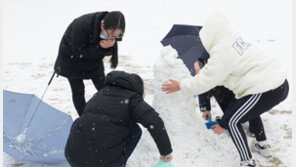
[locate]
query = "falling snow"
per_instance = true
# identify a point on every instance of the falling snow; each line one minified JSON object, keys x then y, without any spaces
{"x":21,"y":63}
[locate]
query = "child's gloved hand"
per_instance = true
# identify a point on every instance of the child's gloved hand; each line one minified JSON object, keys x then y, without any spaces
{"x":166,"y":158}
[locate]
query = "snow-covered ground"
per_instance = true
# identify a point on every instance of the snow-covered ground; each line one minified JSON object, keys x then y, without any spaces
{"x":33,"y":29}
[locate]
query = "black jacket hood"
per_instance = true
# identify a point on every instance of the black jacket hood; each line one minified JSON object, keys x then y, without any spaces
{"x":124,"y":80}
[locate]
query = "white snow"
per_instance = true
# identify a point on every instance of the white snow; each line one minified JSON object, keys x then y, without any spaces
{"x":33,"y":29}
{"x":21,"y":138}
{"x":191,"y":141}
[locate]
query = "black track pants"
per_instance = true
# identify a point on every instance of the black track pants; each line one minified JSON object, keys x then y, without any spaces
{"x":250,"y":108}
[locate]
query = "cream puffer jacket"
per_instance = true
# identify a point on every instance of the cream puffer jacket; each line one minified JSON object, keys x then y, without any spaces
{"x":234,"y":63}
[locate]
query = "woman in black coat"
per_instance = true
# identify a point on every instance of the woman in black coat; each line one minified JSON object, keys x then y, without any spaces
{"x":107,"y":132}
{"x":87,"y":40}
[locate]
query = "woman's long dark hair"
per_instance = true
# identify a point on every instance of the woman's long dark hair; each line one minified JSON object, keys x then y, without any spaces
{"x":114,"y":58}
{"x":114,"y":20}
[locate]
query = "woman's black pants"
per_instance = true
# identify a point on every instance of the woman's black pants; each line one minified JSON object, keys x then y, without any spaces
{"x":78,"y":89}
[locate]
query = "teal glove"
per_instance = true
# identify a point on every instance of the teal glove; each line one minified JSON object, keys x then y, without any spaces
{"x":162,"y":164}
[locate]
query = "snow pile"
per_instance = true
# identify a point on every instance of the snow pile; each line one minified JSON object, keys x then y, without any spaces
{"x":176,"y":106}
{"x":192,"y":143}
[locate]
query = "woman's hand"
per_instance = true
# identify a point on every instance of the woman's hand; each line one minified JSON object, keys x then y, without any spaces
{"x":107,"y":43}
{"x":174,"y":86}
{"x":166,"y":158}
{"x":206,"y":113}
{"x":218,"y":129}
{"x":196,"y":67}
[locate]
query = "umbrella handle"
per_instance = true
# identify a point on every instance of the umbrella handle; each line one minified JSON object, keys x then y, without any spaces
{"x":40,"y":100}
{"x":52,"y":78}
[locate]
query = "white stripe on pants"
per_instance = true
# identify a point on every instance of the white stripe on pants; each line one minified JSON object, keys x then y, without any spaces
{"x":235,"y":133}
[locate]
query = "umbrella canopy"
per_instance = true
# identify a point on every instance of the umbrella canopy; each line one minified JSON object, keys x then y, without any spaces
{"x":185,"y":39}
{"x":33,"y":135}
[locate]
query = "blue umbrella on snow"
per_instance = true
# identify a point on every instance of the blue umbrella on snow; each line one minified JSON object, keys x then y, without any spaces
{"x":185,"y":39}
{"x":33,"y":130}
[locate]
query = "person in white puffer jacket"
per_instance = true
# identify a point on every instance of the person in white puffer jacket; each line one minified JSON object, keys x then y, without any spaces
{"x":257,"y":80}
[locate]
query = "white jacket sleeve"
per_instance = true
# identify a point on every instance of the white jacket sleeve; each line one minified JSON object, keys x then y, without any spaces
{"x":210,"y":76}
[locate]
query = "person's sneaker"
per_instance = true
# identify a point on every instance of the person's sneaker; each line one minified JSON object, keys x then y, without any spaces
{"x":249,"y":163}
{"x":263,"y":150}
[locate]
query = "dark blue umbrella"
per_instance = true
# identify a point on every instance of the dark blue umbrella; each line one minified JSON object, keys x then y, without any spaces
{"x":33,"y":130}
{"x":185,"y":39}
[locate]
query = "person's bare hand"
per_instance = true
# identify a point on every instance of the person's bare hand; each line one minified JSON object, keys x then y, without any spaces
{"x":218,"y":129}
{"x":206,"y":113}
{"x":107,"y":43}
{"x":196,"y":67}
{"x":166,"y":158}
{"x":174,"y":86}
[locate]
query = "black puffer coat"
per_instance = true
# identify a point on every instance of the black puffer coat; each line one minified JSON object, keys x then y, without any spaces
{"x":80,"y":54}
{"x":99,"y":136}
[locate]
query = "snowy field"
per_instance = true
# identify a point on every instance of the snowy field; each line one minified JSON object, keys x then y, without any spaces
{"x":33,"y":30}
